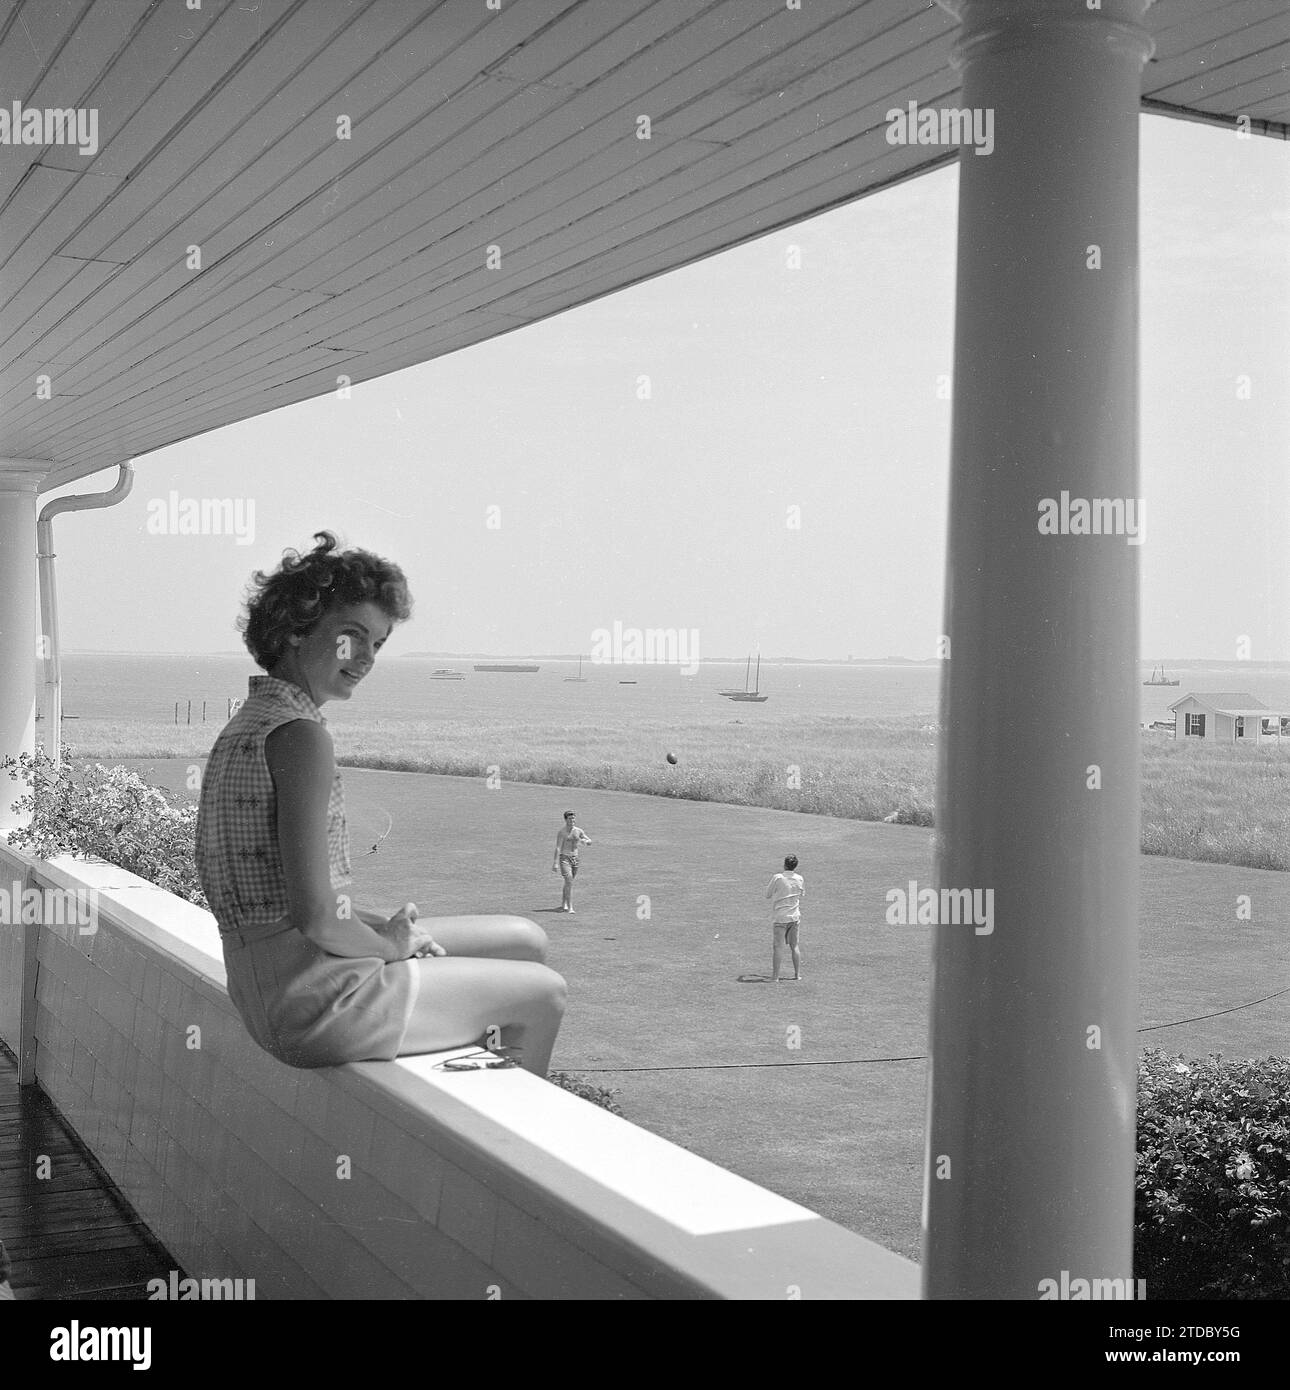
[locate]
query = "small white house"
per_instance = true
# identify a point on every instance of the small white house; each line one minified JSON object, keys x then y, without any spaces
{"x":1228,"y":715}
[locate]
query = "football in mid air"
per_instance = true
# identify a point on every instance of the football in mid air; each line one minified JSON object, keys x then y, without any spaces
{"x":671,"y":757}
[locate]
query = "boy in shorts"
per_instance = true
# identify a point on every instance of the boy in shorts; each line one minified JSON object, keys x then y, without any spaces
{"x":569,"y":839}
{"x":786,"y":891}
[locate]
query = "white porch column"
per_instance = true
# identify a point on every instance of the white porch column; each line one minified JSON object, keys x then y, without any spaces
{"x":1033,"y":1048}
{"x":19,"y":479}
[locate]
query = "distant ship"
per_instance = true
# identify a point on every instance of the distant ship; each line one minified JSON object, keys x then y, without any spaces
{"x":746,"y":696}
{"x":626,"y":682}
{"x":498,"y":666}
{"x":447,"y":673}
{"x":1162,"y":679}
{"x":579,"y":679}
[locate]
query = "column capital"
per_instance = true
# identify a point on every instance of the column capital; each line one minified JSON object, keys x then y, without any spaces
{"x":994,"y":26}
{"x":23,"y":475}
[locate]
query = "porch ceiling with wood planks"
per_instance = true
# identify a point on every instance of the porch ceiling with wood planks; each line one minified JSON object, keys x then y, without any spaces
{"x":471,"y":128}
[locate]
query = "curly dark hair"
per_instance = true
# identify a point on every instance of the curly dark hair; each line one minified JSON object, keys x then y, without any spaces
{"x":292,"y":600}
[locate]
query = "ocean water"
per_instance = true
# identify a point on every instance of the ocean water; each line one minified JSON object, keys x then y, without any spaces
{"x":147,"y":687}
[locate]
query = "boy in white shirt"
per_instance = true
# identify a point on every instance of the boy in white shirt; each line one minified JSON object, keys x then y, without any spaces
{"x":786,"y":890}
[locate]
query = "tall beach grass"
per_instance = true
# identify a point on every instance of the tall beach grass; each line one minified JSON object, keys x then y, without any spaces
{"x":1220,"y":803}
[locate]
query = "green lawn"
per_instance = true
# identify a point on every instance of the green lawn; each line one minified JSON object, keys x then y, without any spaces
{"x":665,"y":992}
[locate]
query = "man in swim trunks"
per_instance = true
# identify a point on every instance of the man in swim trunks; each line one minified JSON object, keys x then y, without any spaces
{"x":568,"y":839}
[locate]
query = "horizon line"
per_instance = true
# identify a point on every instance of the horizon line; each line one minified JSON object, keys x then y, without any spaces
{"x":1227,"y":663}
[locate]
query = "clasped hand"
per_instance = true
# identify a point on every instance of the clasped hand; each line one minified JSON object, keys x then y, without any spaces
{"x":408,"y":938}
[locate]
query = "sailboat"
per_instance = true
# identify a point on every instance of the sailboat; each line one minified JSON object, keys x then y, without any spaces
{"x":744,"y":691}
{"x":749,"y":696}
{"x":1162,"y":679}
{"x":579,"y":679}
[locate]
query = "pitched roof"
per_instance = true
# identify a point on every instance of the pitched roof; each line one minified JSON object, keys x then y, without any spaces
{"x":1224,"y":701}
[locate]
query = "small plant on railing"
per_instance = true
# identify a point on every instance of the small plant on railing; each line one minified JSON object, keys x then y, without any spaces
{"x":602,"y":1096}
{"x":1213,"y":1177}
{"x":106,"y":813}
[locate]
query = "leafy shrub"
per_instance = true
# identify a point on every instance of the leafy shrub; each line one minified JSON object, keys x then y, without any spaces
{"x":106,"y":813}
{"x":1212,"y":1216}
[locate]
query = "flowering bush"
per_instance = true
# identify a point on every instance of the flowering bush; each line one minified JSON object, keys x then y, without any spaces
{"x":1213,"y":1177}
{"x":106,"y":813}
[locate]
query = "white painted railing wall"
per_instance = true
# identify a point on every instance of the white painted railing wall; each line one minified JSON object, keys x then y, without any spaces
{"x":376,"y":1180}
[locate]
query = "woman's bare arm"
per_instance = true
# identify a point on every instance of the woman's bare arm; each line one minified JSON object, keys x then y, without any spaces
{"x":303,"y":765}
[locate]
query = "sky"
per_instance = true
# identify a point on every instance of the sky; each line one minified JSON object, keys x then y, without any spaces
{"x":535,"y":488}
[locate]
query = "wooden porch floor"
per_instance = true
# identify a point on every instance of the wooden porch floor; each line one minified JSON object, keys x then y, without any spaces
{"x":71,"y":1235}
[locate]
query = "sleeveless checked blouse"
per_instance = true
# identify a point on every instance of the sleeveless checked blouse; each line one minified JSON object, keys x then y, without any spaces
{"x":237,"y":831}
{"x":303,"y":1005}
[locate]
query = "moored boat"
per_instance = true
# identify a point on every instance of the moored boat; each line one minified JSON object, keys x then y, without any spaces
{"x":746,"y":696}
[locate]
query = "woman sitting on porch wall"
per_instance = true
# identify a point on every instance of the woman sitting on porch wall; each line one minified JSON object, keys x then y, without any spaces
{"x":317,"y":980}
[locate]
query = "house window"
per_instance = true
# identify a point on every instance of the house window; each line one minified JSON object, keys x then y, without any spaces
{"x":1194,"y":724}
{"x":1240,"y":726}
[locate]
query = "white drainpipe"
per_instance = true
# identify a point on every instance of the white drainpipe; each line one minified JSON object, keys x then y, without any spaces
{"x":49,"y":598}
